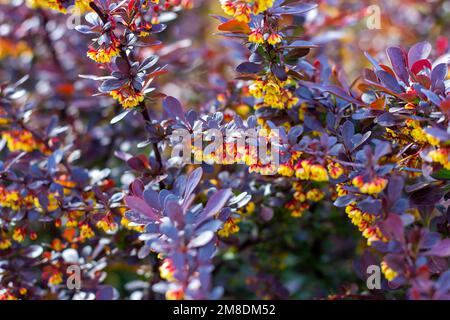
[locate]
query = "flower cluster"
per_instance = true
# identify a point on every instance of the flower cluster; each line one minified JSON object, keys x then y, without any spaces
{"x":242,"y":10}
{"x":274,"y":93}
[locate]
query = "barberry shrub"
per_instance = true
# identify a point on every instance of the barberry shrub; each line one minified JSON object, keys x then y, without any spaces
{"x":95,"y":92}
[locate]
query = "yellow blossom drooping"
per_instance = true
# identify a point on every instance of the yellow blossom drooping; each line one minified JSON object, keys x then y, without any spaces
{"x":127,"y":98}
{"x":107,"y":224}
{"x":242,"y":12}
{"x":21,"y":140}
{"x":86,"y":232}
{"x":14,"y":49}
{"x":305,"y":170}
{"x":102,"y":54}
{"x":274,"y":93}
{"x":55,"y":279}
{"x":19,"y":234}
{"x":296,"y":208}
{"x":315,"y":195}
{"x":370,"y":187}
{"x":286,"y":169}
{"x":5,"y":244}
{"x":5,"y":294}
{"x":274,"y":38}
{"x":440,"y":156}
{"x":230,"y":227}
{"x":242,"y":9}
{"x":256,"y":37}
{"x":130,"y":226}
{"x":389,"y":273}
{"x":166,"y":270}
{"x":365,"y":223}
{"x":80,"y":5}
{"x":262,"y":5}
{"x":335,"y":170}
{"x":340,"y":190}
{"x":175,"y":294}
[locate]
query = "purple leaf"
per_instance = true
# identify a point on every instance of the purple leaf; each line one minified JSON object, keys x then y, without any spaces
{"x":137,"y":188}
{"x":248,"y":67}
{"x":438,"y":75}
{"x":339,"y":92}
{"x":174,"y":212}
{"x":398,"y":61}
{"x":389,"y":81}
{"x":348,"y":131}
{"x":393,"y":227}
{"x":140,"y":206}
{"x":193,"y":181}
{"x":442,"y":249}
{"x":215,"y":204}
{"x":174,"y":109}
{"x":152,"y":198}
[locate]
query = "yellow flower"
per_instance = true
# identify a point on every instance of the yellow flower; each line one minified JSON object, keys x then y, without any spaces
{"x":256,"y":37}
{"x":81,"y":5}
{"x":389,"y":273}
{"x":230,"y":227}
{"x":242,"y":12}
{"x":262,"y":5}
{"x":86,"y":232}
{"x":372,"y":187}
{"x":335,"y":170}
{"x":175,"y":294}
{"x":53,"y":203}
{"x":300,"y":196}
{"x":127,"y":224}
{"x":315,"y":195}
{"x":256,"y":89}
{"x":286,"y":170}
{"x":21,"y":141}
{"x":440,"y":156}
{"x":228,"y":7}
{"x":250,"y":208}
{"x":318,"y":173}
{"x":127,"y":99}
{"x":107,"y":224}
{"x":103,"y":55}
{"x":340,"y":190}
{"x":55,"y":279}
{"x":274,"y":38}
{"x":19,"y":234}
{"x":5,"y":244}
{"x":166,"y":270}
